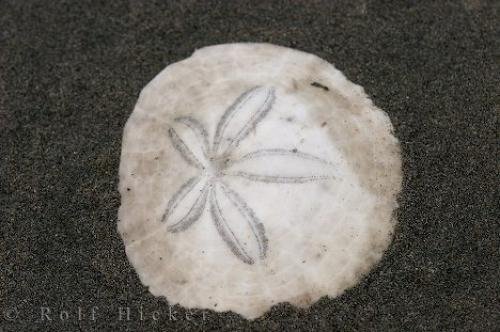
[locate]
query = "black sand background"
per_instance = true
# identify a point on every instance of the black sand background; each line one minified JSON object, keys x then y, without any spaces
{"x":70,"y":74}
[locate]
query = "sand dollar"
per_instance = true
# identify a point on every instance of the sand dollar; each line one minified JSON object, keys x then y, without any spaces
{"x":253,"y":174}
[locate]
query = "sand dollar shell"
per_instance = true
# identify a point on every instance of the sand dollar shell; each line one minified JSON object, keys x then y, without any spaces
{"x":253,"y":174}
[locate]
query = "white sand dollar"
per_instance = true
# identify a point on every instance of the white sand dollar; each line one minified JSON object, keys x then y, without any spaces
{"x":253,"y":174}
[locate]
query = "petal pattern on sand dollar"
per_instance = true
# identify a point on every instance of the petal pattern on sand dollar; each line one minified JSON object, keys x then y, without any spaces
{"x":237,"y":224}
{"x":189,"y":138}
{"x":281,"y":166}
{"x":241,"y":117}
{"x":187,"y":204}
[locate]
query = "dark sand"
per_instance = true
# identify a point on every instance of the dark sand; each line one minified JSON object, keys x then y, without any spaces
{"x":71,"y":72}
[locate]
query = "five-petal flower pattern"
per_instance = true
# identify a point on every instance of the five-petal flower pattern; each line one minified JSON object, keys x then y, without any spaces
{"x":237,"y":224}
